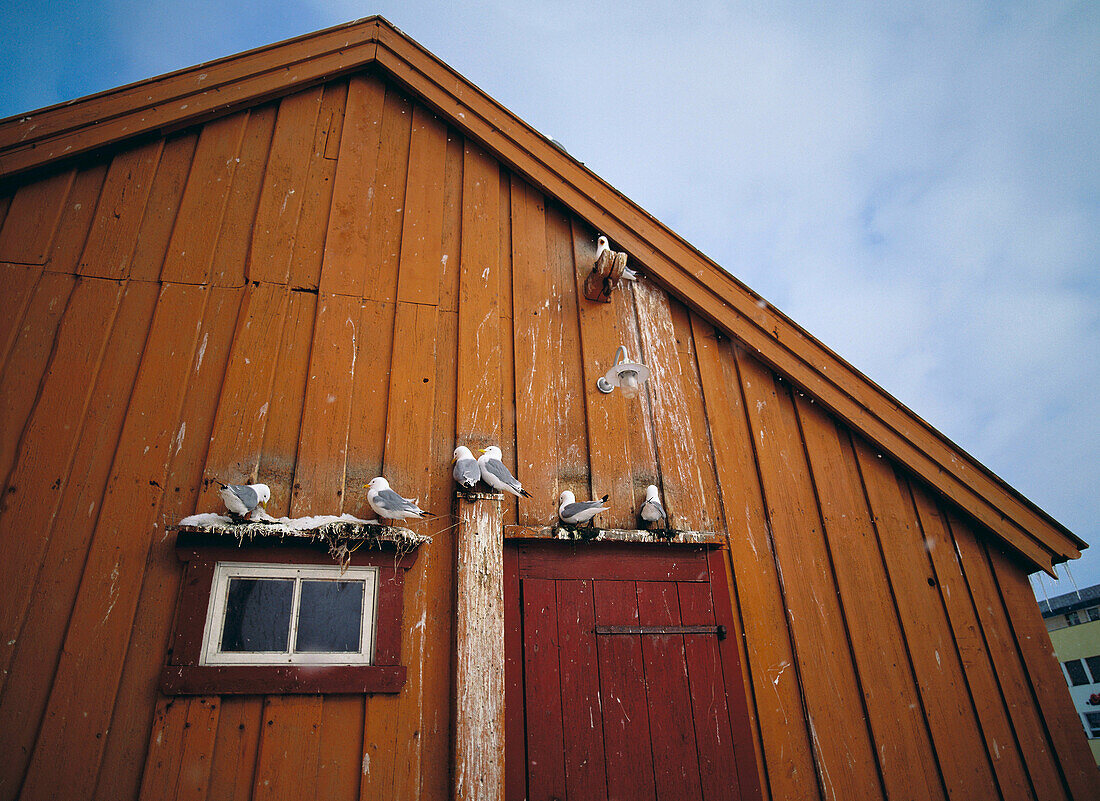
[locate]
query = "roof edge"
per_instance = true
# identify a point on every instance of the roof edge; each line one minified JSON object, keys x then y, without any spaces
{"x":198,"y":93}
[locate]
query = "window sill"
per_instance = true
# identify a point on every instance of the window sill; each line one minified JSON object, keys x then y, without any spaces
{"x":276,"y":680}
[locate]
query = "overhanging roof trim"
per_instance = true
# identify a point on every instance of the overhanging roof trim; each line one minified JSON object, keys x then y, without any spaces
{"x":218,"y":87}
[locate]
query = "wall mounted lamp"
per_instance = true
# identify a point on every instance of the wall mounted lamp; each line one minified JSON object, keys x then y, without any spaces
{"x":625,"y":374}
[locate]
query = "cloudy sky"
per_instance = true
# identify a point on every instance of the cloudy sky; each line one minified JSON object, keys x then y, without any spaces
{"x":919,"y":188}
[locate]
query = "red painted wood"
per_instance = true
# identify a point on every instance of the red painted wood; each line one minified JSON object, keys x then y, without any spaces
{"x":585,"y":776}
{"x":271,"y":680}
{"x":545,"y":766}
{"x":675,"y":758}
{"x":622,"y":690}
{"x":623,"y":562}
{"x":515,"y":760}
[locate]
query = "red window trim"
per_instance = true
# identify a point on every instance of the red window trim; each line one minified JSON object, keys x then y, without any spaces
{"x":182,"y":673}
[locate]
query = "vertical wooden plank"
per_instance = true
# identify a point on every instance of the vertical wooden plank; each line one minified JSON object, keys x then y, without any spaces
{"x":198,"y":221}
{"x":569,"y":420}
{"x":32,"y":218}
{"x":1041,"y":763}
{"x":944,"y":694}
{"x":164,"y":201}
{"x":287,"y":763}
{"x":354,"y":188}
{"x":677,"y":440}
{"x":229,"y":265}
{"x":19,"y":283}
{"x":283,"y":187}
{"x":119,"y":211}
{"x":121,"y":773}
{"x":452,"y":223}
{"x":585,"y":776}
{"x":831,"y":695}
{"x":76,"y":220}
{"x":49,"y":441}
{"x":610,"y":417}
{"x":710,"y":704}
{"x":422,"y":233}
{"x":507,"y":343}
{"x":1044,"y":674}
{"x":668,"y":694}
{"x":537,"y":353}
{"x":902,"y":743}
{"x":545,"y":768}
{"x":1000,"y":742}
{"x":25,"y":366}
{"x":340,"y":751}
{"x":479,"y":321}
{"x":178,"y":764}
{"x":479,"y":653}
{"x":313,"y":219}
{"x":83,"y":693}
{"x":770,"y":674}
{"x":515,"y":739}
{"x":235,"y":746}
{"x":27,"y":684}
{"x":626,"y":724}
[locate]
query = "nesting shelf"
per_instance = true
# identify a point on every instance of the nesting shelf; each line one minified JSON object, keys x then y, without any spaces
{"x":581,"y":533}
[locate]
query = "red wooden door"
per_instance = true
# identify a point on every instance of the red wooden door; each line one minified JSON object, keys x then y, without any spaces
{"x":621,"y":684}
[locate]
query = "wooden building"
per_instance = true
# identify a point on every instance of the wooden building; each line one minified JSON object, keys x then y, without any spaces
{"x":334,"y":258}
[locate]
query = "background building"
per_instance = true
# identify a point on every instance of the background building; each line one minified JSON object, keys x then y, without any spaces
{"x":1073,"y":621}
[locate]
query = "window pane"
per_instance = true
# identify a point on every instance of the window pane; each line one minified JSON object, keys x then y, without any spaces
{"x":1094,"y":612}
{"x":257,"y":615}
{"x":330,"y":616}
{"x":1094,"y":668}
{"x":1076,"y":672}
{"x":1093,"y":721}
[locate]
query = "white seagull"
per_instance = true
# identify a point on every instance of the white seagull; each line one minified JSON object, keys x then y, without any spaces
{"x":601,"y":246}
{"x":243,"y":499}
{"x":574,"y":512}
{"x":652,"y":511}
{"x":387,"y":503}
{"x":496,"y":475}
{"x":467,"y":472}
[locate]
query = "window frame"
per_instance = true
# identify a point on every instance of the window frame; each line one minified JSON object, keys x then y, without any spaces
{"x":1076,"y":680}
{"x":184,"y":672}
{"x":225,"y":571}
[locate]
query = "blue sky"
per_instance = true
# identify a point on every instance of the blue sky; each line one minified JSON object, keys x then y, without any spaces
{"x":917,"y":187}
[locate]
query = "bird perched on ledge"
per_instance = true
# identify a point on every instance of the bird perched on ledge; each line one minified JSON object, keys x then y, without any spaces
{"x":652,"y":511}
{"x":243,"y":499}
{"x":574,"y":512}
{"x":387,"y":503}
{"x":496,"y":475}
{"x":467,"y":471}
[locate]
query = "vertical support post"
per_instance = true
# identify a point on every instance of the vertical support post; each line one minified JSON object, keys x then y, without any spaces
{"x":479,"y":650}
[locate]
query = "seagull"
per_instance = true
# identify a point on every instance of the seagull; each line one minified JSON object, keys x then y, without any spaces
{"x":574,"y":512}
{"x":652,"y":510}
{"x":467,"y":472}
{"x":387,"y":503}
{"x":496,"y":475}
{"x":601,"y":246}
{"x":243,"y":499}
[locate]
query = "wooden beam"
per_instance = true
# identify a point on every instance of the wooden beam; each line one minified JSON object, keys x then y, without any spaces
{"x":559,"y":532}
{"x":479,"y":651}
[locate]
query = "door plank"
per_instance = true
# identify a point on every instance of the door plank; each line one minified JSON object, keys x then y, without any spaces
{"x":614,"y":562}
{"x":545,"y":776}
{"x":668,"y":695}
{"x":622,"y":690}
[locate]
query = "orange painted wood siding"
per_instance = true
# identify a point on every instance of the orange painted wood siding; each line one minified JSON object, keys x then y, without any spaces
{"x":337,"y":285}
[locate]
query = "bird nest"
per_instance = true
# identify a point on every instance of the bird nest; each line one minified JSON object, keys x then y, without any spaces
{"x":343,"y":534}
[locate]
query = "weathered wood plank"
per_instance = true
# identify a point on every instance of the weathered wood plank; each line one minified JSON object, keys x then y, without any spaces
{"x":545,"y":767}
{"x":508,"y":411}
{"x":290,"y":741}
{"x":165,"y":196}
{"x":317,"y":203}
{"x":121,"y":774}
{"x":205,"y":197}
{"x":452,"y":223}
{"x":902,"y":742}
{"x":422,"y":229}
{"x":770,"y":668}
{"x":479,"y":653}
{"x":32,"y":218}
{"x":668,"y":694}
{"x":1000,"y":742}
{"x":118,"y":213}
{"x":1039,"y":757}
{"x":83,"y":693}
{"x":1044,"y":674}
{"x":26,"y":689}
{"x":235,"y":747}
{"x":177,"y":764}
{"x":354,"y":188}
{"x":830,"y":690}
{"x":944,"y":695}
{"x":230,"y":260}
{"x":280,"y":204}
{"x":76,"y":219}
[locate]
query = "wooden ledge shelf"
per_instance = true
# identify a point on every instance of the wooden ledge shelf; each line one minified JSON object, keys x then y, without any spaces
{"x":333,"y":533}
{"x":582,"y":534}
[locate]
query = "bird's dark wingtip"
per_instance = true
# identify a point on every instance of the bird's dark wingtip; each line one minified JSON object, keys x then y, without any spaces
{"x":605,"y":497}
{"x":525,"y":493}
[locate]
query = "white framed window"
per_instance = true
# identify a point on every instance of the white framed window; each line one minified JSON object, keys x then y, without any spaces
{"x":290,"y":614}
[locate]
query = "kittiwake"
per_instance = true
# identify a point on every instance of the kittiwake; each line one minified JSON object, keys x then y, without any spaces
{"x":652,"y":510}
{"x":496,"y":475}
{"x":243,"y":499}
{"x":467,"y":472}
{"x":387,"y":503}
{"x":574,"y":512}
